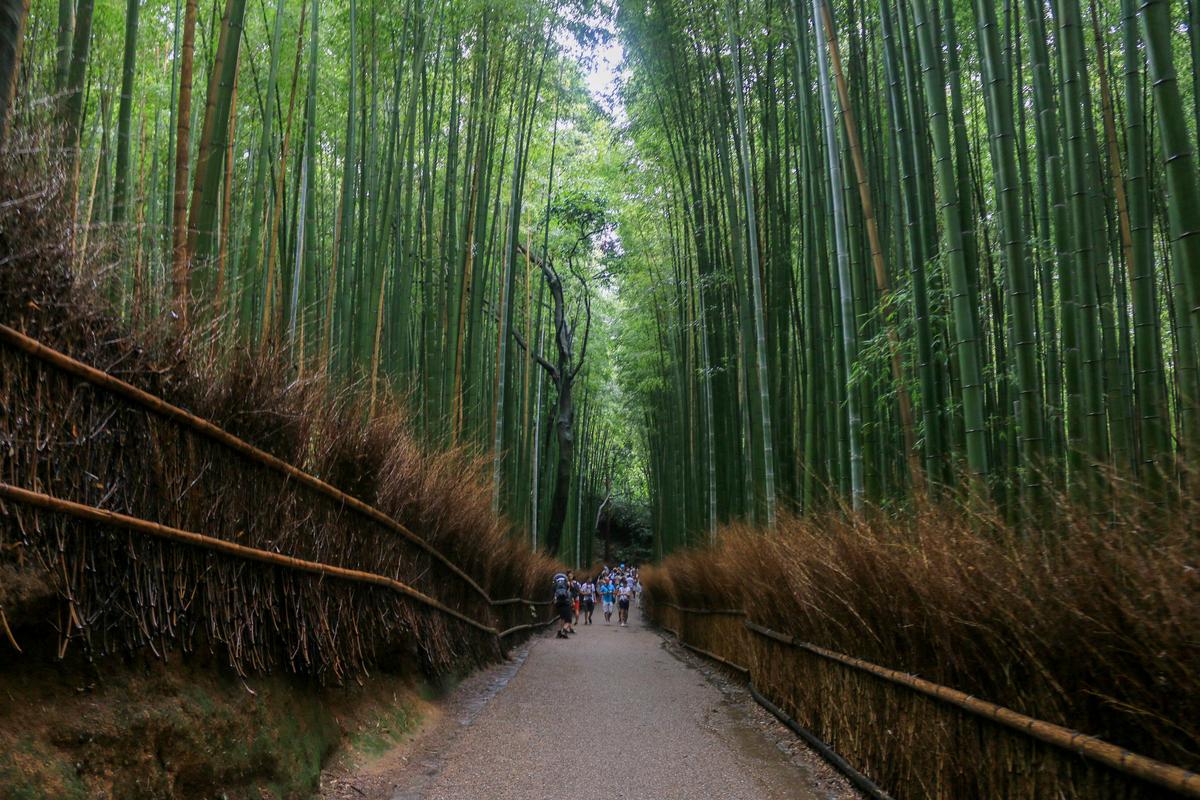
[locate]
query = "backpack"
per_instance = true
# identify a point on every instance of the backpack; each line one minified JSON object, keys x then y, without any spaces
{"x":562,"y":592}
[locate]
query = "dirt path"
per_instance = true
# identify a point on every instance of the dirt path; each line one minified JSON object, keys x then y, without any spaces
{"x":614,"y":712}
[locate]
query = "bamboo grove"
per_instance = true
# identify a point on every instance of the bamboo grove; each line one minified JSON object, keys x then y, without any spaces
{"x":367,"y":187}
{"x":820,"y":252}
{"x":918,"y":247}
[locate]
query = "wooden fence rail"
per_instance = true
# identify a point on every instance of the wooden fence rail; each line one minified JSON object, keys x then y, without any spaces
{"x":1166,"y":776}
{"x":162,"y":408}
{"x":105,"y":517}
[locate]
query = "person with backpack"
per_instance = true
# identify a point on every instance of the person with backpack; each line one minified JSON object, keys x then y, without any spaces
{"x":563,"y":605}
{"x":574,"y":598}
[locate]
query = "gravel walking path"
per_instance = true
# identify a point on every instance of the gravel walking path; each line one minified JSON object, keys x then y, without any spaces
{"x":615,"y":713}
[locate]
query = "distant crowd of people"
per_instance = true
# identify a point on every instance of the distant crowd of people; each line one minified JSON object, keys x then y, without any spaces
{"x":577,"y":599}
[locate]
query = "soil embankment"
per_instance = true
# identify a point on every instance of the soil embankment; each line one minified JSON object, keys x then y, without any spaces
{"x":185,"y":731}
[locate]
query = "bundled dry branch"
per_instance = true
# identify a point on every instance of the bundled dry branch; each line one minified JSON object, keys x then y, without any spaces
{"x":1085,"y":629}
{"x":120,"y":593}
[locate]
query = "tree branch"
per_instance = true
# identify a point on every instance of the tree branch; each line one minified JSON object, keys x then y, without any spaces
{"x":542,"y":264}
{"x":546,"y":365}
{"x":600,"y":511}
{"x":587,"y":331}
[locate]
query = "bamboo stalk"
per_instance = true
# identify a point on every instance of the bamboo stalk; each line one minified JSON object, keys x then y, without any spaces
{"x":903,"y":397}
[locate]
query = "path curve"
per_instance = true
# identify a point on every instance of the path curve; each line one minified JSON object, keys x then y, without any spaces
{"x":615,"y":713}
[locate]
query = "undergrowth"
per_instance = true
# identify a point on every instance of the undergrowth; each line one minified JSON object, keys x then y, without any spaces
{"x":1092,"y":623}
{"x":362,"y":444}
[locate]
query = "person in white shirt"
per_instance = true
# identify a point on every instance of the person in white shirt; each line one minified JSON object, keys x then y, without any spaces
{"x":587,"y":601}
{"x":623,"y":597}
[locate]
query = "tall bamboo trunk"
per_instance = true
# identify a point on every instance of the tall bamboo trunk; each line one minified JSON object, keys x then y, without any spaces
{"x":965,"y":322}
{"x":1017,"y":266}
{"x":125,"y":114}
{"x":13,"y":16}
{"x":882,"y":283}
{"x":183,"y":114}
{"x":1183,"y":208}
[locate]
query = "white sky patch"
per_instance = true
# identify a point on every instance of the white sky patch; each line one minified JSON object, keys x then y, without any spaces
{"x":603,"y":77}
{"x":602,"y":66}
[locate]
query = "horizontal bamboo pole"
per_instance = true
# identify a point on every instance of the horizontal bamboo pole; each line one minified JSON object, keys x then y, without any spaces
{"x":509,"y":601}
{"x":729,"y":612}
{"x":202,"y":426}
{"x":528,"y":627}
{"x":1167,"y":776}
{"x":93,"y":514}
{"x":860,"y":781}
{"x":719,"y":659}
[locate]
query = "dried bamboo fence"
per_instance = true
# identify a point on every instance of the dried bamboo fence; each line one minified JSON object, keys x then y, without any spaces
{"x":105,"y":488}
{"x":912,"y":737}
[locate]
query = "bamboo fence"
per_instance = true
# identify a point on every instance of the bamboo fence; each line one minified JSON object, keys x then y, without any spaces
{"x":914,"y":737}
{"x":103,"y":487}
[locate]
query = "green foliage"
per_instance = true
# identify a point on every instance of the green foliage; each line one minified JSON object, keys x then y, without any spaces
{"x":380,"y":182}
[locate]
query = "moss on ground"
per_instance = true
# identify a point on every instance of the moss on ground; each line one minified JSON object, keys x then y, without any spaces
{"x":155,"y":731}
{"x":382,"y":734}
{"x":26,"y":773}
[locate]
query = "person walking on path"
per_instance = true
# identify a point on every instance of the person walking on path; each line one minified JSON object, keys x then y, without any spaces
{"x":623,"y":595}
{"x":587,"y":600}
{"x":562,"y":604}
{"x":575,"y":594}
{"x":608,"y":592}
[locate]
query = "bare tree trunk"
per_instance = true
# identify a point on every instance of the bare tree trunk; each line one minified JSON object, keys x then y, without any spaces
{"x":563,"y":375}
{"x":607,"y":522}
{"x":564,"y":418}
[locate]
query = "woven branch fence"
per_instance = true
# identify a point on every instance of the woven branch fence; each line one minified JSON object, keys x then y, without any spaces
{"x":160,"y":531}
{"x":914,"y":738}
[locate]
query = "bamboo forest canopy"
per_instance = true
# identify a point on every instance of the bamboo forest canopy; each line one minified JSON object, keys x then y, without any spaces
{"x":914,"y":248}
{"x":782,"y":257}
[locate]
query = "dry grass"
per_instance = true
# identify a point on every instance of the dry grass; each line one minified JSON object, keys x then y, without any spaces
{"x":118,"y":595}
{"x":1094,"y":625}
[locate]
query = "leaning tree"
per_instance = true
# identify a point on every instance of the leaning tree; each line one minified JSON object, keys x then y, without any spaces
{"x":583,"y":217}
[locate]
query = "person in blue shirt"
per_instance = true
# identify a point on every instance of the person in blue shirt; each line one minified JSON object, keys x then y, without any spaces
{"x":608,"y":593}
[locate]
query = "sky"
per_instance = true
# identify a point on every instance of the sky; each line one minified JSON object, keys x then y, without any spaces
{"x":602,"y":66}
{"x":603,"y":74}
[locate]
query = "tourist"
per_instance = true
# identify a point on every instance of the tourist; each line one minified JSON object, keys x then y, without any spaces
{"x":562,"y":604}
{"x":623,"y":595}
{"x":587,"y":596}
{"x":608,"y":593}
{"x":574,"y":598}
